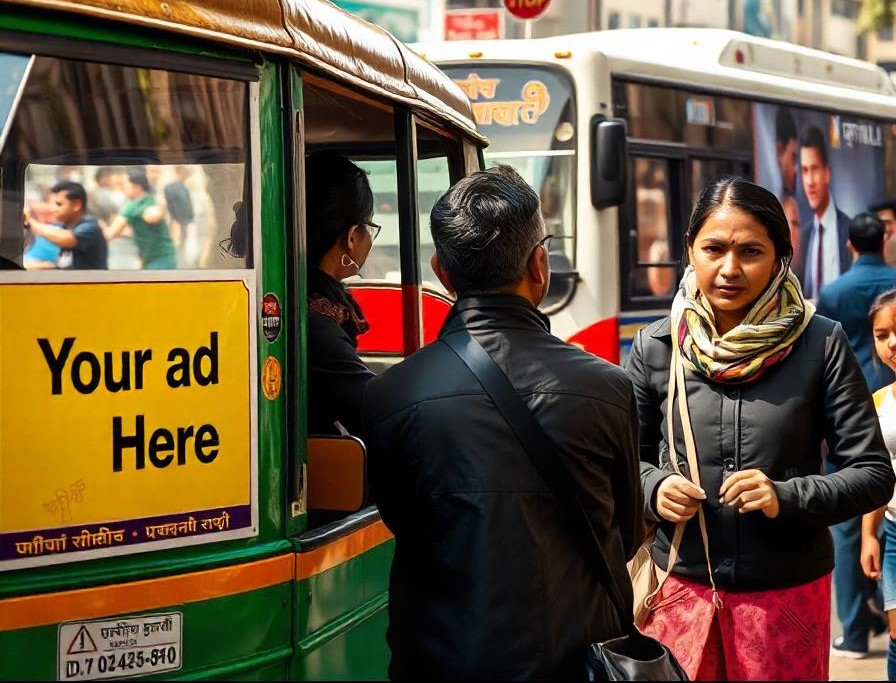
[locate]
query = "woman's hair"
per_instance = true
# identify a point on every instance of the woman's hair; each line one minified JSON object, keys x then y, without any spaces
{"x":888,"y":298}
{"x":753,"y":199}
{"x":337,"y":196}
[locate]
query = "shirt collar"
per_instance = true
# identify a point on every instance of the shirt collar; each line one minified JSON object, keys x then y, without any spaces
{"x":868,"y":260}
{"x":829,"y":218}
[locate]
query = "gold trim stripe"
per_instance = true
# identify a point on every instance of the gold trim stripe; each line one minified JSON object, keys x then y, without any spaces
{"x":138,"y":596}
{"x":343,"y":549}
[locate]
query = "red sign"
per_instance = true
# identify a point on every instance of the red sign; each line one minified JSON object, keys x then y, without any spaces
{"x":474,"y":24}
{"x":526,"y":9}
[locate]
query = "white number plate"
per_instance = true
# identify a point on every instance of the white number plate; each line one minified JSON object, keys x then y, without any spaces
{"x":133,"y":646}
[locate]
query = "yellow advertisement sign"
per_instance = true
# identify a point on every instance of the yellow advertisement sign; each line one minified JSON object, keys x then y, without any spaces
{"x":125,"y":418}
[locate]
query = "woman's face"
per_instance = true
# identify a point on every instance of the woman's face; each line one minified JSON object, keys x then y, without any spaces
{"x":734,"y":260}
{"x":360,"y":240}
{"x":884,"y":329}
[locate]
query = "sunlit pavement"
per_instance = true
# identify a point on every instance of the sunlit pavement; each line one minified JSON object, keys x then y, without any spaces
{"x":872,"y":668}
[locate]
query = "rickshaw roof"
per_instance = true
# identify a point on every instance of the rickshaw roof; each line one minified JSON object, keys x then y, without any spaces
{"x":315,"y":33}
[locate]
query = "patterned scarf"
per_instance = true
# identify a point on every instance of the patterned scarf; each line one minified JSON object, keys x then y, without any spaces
{"x":764,"y":337}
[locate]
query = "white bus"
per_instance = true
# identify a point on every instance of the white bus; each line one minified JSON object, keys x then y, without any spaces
{"x":696,"y":104}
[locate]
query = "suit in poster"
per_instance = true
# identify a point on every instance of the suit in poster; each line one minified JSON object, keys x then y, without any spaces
{"x":825,"y":168}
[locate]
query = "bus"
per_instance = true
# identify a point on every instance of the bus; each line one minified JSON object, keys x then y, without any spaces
{"x":164,"y":511}
{"x":696,"y":104}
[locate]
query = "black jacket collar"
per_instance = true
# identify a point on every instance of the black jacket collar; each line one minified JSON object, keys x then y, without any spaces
{"x":491,"y":311}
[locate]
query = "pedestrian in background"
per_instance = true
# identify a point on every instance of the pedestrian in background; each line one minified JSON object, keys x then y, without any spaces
{"x":882,"y":320}
{"x":81,"y":243}
{"x":847,"y":300}
{"x":766,"y":381}
{"x":490,"y":579}
{"x":146,"y":217}
{"x":885,"y":209}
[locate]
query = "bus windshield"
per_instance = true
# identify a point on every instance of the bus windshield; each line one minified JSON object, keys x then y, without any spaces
{"x":528,"y":114}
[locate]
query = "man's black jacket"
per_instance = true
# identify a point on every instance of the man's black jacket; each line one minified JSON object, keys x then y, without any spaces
{"x":489,"y":581}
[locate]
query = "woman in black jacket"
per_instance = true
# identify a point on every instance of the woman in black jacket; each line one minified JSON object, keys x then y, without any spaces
{"x":340,"y":234}
{"x":767,"y":383}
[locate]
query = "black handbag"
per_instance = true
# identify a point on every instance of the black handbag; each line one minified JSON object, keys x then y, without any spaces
{"x":632,"y":656}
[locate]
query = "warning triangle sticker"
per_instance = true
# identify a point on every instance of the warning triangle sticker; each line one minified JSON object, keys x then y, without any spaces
{"x":82,"y":642}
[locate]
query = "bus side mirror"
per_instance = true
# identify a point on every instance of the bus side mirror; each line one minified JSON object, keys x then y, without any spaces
{"x":609,"y":162}
{"x":336,"y":473}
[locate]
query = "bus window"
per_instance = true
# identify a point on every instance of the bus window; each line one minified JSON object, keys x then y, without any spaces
{"x":655,"y":271}
{"x":133,"y":138}
{"x":675,"y":115}
{"x":706,"y":171}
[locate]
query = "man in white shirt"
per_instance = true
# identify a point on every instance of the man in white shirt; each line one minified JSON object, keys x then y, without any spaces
{"x":823,"y":240}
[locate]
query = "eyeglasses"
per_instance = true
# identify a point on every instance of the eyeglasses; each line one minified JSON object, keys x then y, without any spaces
{"x":373,"y":228}
{"x":544,"y":242}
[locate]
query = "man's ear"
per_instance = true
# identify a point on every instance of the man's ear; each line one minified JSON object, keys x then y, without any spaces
{"x":537,"y":267}
{"x":441,"y":273}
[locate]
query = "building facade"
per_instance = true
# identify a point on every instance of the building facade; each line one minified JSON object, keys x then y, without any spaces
{"x":823,"y":24}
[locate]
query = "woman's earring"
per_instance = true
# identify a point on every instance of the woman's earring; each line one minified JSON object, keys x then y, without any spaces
{"x":347,"y":261}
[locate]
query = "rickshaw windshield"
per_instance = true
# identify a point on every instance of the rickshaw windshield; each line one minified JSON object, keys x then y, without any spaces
{"x":13,"y":74}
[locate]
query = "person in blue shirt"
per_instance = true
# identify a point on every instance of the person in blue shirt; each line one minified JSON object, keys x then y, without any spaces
{"x":848,"y":300}
{"x":42,"y":254}
{"x":77,"y":234}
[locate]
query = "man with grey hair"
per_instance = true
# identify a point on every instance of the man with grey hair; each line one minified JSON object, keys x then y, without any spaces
{"x":491,"y":579}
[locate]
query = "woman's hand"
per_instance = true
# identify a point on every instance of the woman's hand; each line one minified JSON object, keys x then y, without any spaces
{"x":677,"y":499}
{"x":750,"y":490}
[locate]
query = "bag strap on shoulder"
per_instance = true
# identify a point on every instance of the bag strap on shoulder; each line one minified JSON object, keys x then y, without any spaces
{"x":677,"y":385}
{"x":541,"y":450}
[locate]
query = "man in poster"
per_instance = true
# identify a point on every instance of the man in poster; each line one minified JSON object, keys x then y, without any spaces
{"x":823,"y":239}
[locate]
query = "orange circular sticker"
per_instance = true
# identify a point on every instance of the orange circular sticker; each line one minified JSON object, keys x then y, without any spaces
{"x":271,"y":378}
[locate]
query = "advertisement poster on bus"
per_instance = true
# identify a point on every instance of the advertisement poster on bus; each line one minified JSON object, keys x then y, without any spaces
{"x":127,"y":418}
{"x":822,"y":166}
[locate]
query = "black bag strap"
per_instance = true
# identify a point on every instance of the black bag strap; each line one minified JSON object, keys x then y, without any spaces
{"x":541,"y":450}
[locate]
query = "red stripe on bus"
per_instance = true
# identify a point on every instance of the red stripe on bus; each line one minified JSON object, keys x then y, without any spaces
{"x":601,"y":339}
{"x":382,"y":307}
{"x":412,"y":318}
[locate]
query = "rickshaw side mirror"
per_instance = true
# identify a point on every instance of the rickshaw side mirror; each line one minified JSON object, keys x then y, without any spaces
{"x":336,"y":471}
{"x":609,"y":162}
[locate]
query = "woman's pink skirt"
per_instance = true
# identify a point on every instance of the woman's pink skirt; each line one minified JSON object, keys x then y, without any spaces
{"x":775,"y":635}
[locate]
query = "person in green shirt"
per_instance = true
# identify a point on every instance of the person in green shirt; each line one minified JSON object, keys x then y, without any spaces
{"x":147,"y":220}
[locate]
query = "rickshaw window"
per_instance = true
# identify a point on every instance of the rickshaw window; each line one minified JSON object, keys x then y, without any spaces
{"x":162,"y":157}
